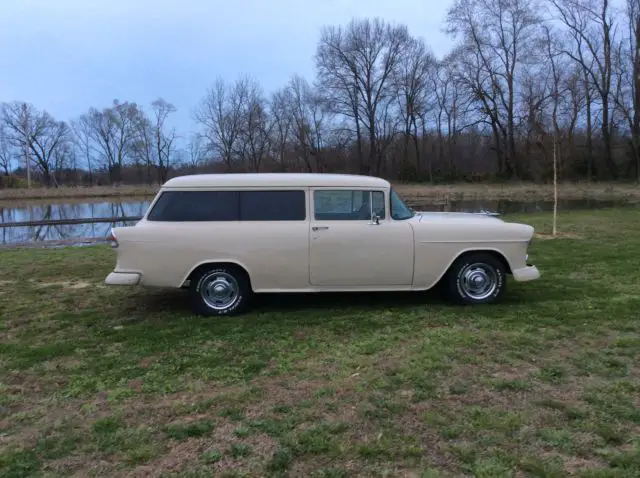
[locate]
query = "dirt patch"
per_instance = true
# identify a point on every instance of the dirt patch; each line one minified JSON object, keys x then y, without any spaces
{"x":177,"y":457}
{"x":509,"y":372}
{"x":97,"y":467}
{"x":65,"y":284}
{"x":559,"y":235}
{"x":280,"y":391}
{"x":61,"y":364}
{"x":188,"y":454}
{"x":573,"y":464}
{"x":65,"y":466}
{"x":150,"y":360}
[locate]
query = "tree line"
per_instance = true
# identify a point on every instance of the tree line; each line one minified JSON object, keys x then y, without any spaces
{"x":526,"y":80}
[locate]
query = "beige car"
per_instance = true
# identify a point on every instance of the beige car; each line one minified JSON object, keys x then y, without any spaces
{"x":227,"y":236}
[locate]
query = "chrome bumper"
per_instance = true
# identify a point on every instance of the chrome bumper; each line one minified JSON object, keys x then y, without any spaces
{"x":122,"y":278}
{"x":526,"y":274}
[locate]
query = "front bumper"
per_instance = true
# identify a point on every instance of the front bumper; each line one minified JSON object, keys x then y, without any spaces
{"x":526,"y":274}
{"x":122,"y":278}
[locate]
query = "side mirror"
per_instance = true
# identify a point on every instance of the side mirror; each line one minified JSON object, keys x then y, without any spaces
{"x":375,"y":219}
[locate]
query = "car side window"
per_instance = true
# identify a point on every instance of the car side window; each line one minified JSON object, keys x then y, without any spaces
{"x":273,"y":206}
{"x":347,"y":205}
{"x":199,"y":206}
{"x":196,"y":206}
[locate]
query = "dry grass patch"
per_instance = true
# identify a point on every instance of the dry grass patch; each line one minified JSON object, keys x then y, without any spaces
{"x":559,"y":235}
{"x":65,"y":284}
{"x":520,"y":191}
{"x":66,"y":192}
{"x":458,"y":191}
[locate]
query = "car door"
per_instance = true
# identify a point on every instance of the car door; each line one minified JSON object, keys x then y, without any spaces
{"x":348,"y":249}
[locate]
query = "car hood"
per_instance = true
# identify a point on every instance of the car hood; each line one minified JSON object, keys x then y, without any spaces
{"x":459,"y":217}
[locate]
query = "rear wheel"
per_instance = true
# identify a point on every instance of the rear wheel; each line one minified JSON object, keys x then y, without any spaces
{"x":220,"y":290}
{"x":476,"y":278}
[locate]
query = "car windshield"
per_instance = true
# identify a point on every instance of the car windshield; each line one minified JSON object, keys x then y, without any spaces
{"x":399,"y":210}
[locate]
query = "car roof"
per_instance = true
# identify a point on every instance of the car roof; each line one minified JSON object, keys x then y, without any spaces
{"x":274,"y":180}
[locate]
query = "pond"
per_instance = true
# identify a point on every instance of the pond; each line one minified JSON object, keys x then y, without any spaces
{"x":51,"y":220}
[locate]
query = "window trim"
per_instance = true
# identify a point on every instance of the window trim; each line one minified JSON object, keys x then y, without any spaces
{"x":312,"y":202}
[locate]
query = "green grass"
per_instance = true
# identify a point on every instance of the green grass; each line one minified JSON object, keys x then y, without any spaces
{"x":107,"y":381}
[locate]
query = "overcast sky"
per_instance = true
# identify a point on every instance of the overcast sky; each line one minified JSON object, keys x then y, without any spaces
{"x":67,"y":55}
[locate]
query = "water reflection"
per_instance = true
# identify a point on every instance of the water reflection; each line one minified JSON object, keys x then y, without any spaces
{"x":66,"y":211}
{"x":44,"y":212}
{"x":137,"y":208}
{"x":12,"y":235}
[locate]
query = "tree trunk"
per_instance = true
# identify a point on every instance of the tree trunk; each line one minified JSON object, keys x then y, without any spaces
{"x":606,"y":139}
{"x":635,"y":133}
{"x":555,"y":184}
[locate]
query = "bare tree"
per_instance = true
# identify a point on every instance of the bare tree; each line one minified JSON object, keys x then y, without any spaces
{"x":535,"y":90}
{"x":633,"y":15}
{"x":309,"y":123}
{"x":142,"y":147}
{"x":112,"y":131}
{"x":82,"y":137}
{"x":453,"y":109}
{"x":18,"y":119}
{"x":496,"y":35}
{"x":220,"y":116}
{"x":6,"y":154}
{"x":626,"y":66}
{"x":412,"y":79}
{"x":388,"y":126}
{"x":195,"y":151}
{"x":39,"y":133}
{"x":517,"y":95}
{"x":354,"y":66}
{"x":592,"y":30}
{"x":280,"y":110}
{"x":163,"y":137}
{"x":256,"y":126}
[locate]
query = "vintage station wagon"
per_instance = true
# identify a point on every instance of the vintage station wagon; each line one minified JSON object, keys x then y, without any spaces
{"x":227,"y":236}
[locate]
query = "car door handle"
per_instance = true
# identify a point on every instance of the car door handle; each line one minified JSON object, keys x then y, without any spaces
{"x":318,"y":228}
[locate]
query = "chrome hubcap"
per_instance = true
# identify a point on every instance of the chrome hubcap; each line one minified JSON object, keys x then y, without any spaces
{"x":478,"y":281}
{"x":219,"y":290}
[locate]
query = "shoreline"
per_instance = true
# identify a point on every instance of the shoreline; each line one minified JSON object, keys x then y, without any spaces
{"x":409,"y":191}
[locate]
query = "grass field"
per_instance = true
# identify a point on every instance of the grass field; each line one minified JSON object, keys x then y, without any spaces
{"x":412,"y":192}
{"x":98,"y":381}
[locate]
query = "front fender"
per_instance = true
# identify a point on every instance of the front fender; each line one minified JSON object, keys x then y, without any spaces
{"x":439,"y":245}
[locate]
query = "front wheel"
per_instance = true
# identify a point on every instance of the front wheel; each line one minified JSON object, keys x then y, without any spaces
{"x":220,"y":290}
{"x":476,"y":278}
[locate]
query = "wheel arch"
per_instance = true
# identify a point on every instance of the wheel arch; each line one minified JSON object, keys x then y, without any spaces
{"x":485,"y":250}
{"x":493,"y":252}
{"x":207,"y":264}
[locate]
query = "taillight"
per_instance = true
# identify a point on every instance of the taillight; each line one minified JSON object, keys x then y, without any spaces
{"x":113,"y":240}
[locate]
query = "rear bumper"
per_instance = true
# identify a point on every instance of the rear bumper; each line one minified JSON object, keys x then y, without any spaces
{"x":122,"y":278}
{"x":526,"y":274}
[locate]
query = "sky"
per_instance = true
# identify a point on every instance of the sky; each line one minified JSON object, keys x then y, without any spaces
{"x":67,"y":55}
